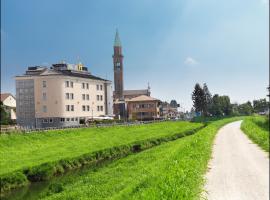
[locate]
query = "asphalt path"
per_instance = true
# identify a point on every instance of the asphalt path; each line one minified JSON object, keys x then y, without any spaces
{"x":239,"y":169}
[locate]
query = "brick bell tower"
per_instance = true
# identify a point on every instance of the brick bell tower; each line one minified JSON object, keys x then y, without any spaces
{"x":118,"y":68}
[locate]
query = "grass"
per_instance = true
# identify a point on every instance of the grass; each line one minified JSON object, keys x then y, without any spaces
{"x":174,"y":170}
{"x":39,"y":156}
{"x":257,"y":129}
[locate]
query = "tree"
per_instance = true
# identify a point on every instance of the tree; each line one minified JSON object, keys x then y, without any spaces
{"x":221,"y":105}
{"x":4,"y":120}
{"x":215,"y":109}
{"x":260,"y":105}
{"x":245,"y":108}
{"x":173,"y":104}
{"x":199,"y":101}
{"x":208,"y":98}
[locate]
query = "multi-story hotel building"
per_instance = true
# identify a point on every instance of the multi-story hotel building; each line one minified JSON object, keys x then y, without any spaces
{"x":63,"y":95}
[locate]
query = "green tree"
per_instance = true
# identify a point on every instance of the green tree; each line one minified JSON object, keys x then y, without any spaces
{"x":4,"y":120}
{"x":220,"y":106}
{"x":173,"y":104}
{"x":199,"y":101}
{"x":208,"y":98}
{"x":215,"y":109}
{"x":245,"y":108}
{"x":260,"y":105}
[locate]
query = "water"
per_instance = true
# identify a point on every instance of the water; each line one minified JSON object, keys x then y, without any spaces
{"x":36,"y":190}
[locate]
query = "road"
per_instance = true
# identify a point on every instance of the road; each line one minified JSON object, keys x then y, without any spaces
{"x":239,"y":169}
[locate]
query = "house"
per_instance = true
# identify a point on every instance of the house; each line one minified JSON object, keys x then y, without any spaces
{"x":143,"y":108}
{"x":168,"y":111}
{"x":9,"y":102}
{"x":62,"y":95}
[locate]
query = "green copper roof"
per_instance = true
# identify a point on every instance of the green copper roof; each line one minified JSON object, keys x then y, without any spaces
{"x":117,"y":42}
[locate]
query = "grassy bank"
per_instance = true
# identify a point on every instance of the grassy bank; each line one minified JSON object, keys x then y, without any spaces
{"x":40,"y":156}
{"x":257,"y":129}
{"x":174,"y":170}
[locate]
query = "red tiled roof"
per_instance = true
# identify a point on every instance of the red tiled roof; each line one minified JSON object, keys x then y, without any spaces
{"x":4,"y":96}
{"x":143,"y":98}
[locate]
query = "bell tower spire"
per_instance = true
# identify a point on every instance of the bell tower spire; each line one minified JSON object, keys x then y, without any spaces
{"x":118,"y":68}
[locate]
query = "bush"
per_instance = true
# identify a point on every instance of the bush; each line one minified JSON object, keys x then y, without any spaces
{"x":41,"y":172}
{"x":13,"y":180}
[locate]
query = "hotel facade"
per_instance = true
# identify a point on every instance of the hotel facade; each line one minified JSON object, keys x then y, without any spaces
{"x":60,"y":96}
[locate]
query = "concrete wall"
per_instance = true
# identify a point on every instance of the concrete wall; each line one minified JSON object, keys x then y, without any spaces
{"x":25,"y":102}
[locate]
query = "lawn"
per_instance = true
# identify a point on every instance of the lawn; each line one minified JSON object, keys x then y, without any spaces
{"x":18,"y":151}
{"x":174,"y":170}
{"x":257,"y":129}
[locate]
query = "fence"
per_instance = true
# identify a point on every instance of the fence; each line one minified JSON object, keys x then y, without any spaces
{"x":18,"y":129}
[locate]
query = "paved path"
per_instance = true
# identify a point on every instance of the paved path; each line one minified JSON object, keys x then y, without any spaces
{"x":239,"y":169}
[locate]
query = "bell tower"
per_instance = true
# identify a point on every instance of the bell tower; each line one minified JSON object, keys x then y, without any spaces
{"x":118,"y":68}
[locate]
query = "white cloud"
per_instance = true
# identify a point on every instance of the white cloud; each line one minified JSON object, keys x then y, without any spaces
{"x":191,"y":61}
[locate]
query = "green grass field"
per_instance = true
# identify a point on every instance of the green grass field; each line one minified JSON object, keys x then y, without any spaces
{"x":257,"y":129}
{"x":173,"y":170}
{"x":18,"y":151}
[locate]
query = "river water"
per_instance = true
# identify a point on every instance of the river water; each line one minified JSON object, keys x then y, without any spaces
{"x":36,"y":190}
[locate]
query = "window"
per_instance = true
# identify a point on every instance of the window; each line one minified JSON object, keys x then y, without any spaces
{"x":67,"y":83}
{"x":101,"y":97}
{"x":87,"y":97}
{"x":45,"y":120}
{"x":101,"y":108}
{"x":76,"y":119}
{"x":97,"y":108}
{"x":67,"y":108}
{"x":50,"y":120}
{"x":44,"y":96}
{"x":44,"y":109}
{"x":71,"y":95}
{"x":67,"y":119}
{"x":88,"y":108}
{"x":83,"y":85}
{"x":72,"y":107}
{"x":87,"y":86}
{"x":98,"y":97}
{"x":83,"y":96}
{"x":97,"y":87}
{"x":100,"y":87}
{"x":44,"y":84}
{"x":72,"y":119}
{"x":62,"y":119}
{"x":67,"y":95}
{"x":83,"y":108}
{"x":71,"y":84}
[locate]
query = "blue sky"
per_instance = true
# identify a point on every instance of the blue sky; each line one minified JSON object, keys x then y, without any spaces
{"x":171,"y":44}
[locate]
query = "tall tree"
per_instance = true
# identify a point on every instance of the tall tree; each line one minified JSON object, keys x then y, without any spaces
{"x":173,"y":104}
{"x":208,"y":98}
{"x":198,"y":98}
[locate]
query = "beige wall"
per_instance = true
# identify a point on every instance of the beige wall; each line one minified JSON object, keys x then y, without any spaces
{"x":56,"y":97}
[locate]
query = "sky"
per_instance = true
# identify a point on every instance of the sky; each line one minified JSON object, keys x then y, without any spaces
{"x":171,"y":44}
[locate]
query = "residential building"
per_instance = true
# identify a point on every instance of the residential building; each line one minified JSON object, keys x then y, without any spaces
{"x":9,"y":102}
{"x":168,"y":111}
{"x":63,"y":95}
{"x":143,"y":108}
